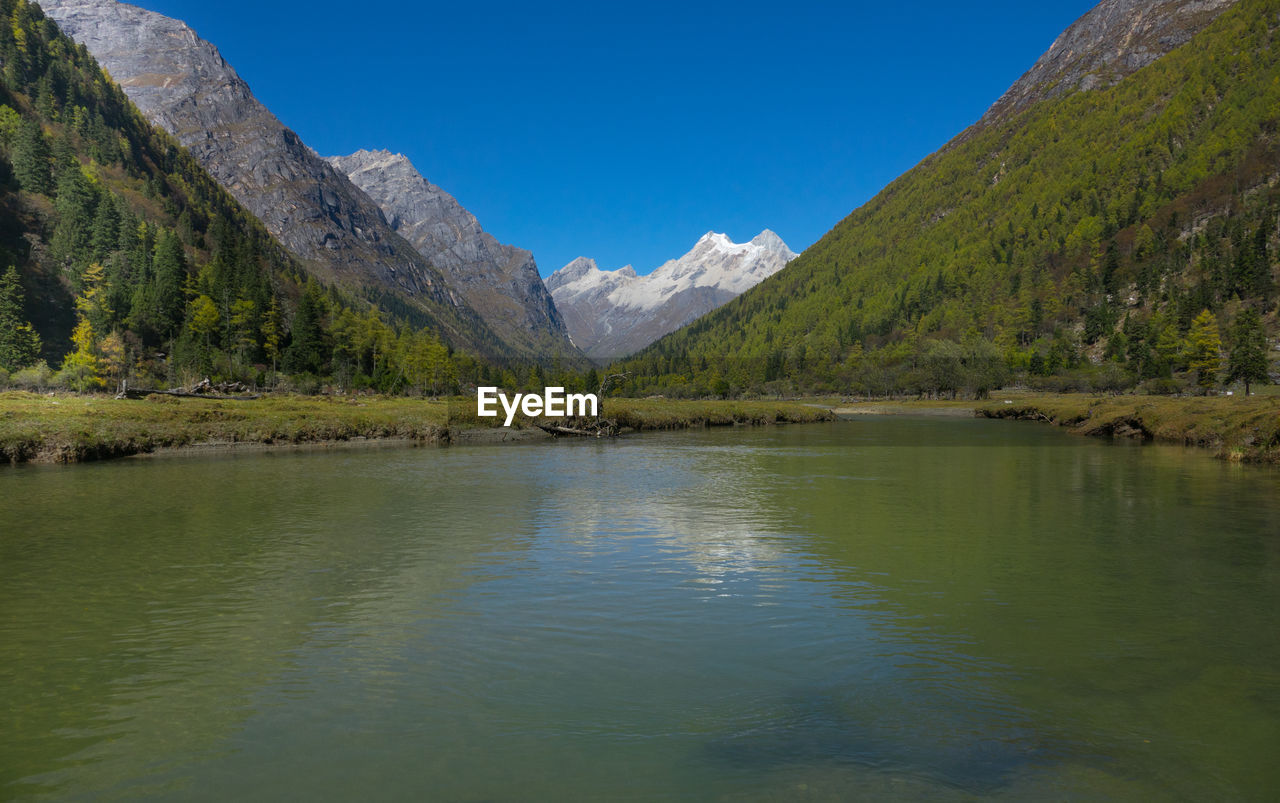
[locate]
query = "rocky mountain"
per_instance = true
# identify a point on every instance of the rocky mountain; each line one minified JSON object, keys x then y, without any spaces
{"x":500,"y":281}
{"x":614,"y":313}
{"x":1114,"y":39}
{"x":1119,"y":190}
{"x":133,"y":265}
{"x":183,"y":85}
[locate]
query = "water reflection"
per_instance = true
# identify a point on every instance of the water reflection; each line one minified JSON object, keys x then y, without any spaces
{"x":899,"y":609}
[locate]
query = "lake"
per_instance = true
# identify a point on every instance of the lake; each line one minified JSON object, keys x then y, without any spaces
{"x":890,"y":608}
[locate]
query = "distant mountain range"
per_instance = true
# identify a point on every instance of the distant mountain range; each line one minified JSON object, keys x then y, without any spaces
{"x":614,"y":313}
{"x":1125,"y":183}
{"x":182,"y":83}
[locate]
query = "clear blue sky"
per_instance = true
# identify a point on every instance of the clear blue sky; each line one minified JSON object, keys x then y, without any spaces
{"x":624,"y":131}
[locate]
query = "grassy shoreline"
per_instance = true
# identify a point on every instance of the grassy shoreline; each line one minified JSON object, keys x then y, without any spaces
{"x":1233,"y":428}
{"x":36,"y":428}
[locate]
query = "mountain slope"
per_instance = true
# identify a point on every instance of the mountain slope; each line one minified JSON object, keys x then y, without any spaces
{"x":135,"y":265}
{"x":614,"y":313}
{"x":1112,"y":41}
{"x":1093,"y":225}
{"x":183,"y":84}
{"x":501,"y":282}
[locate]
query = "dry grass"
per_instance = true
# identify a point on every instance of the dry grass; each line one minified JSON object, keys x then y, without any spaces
{"x":1235,"y":428}
{"x":68,"y":428}
{"x":654,"y":414}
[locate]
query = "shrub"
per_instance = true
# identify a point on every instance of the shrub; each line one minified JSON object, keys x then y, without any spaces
{"x":77,"y":376}
{"x":1110,"y":378}
{"x":1161,"y":386}
{"x":37,"y":377}
{"x":302,"y":384}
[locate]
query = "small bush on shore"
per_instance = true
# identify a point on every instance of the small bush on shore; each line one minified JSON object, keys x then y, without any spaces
{"x":37,"y":377}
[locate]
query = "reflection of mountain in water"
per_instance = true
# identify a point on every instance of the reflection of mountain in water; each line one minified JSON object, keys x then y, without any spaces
{"x":247,"y":576}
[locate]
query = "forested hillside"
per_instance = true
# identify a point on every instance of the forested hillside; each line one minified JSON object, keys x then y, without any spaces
{"x":1079,"y":239}
{"x":132,"y":263}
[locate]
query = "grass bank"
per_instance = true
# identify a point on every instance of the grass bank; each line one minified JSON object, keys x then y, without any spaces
{"x":642,"y":415}
{"x":1234,"y":428}
{"x":69,"y":428}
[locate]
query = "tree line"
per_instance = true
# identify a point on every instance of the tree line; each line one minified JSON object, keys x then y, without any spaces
{"x":126,"y":261}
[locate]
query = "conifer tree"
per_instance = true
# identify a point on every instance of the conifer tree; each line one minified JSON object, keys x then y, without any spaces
{"x":271,"y":335}
{"x":80,"y":368}
{"x":19,"y":343}
{"x":31,"y":159}
{"x":1247,"y":362}
{"x":170,"y":269}
{"x":306,"y":337}
{"x":203,"y":320}
{"x":1204,"y":349}
{"x":10,"y":124}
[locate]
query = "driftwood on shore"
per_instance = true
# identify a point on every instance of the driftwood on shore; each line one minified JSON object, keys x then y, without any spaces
{"x":596,"y":427}
{"x":592,"y":429}
{"x":201,"y":390}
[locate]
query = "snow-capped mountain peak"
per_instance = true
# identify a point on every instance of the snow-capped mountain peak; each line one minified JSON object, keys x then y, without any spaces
{"x":612,"y":313}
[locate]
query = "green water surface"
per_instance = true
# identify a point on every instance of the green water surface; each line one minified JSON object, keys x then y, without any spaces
{"x":883,"y":609}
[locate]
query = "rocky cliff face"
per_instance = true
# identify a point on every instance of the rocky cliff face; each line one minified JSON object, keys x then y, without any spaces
{"x":614,"y":313}
{"x":1114,"y":39}
{"x":183,"y":84}
{"x":500,"y":281}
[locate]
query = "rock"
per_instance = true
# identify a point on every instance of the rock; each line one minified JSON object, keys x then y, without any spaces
{"x":501,"y":282}
{"x":183,"y":85}
{"x":1113,"y":40}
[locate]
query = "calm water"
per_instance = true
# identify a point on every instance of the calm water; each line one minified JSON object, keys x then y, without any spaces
{"x":890,"y":608}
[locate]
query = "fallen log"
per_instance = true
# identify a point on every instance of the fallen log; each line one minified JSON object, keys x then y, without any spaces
{"x":201,"y":390}
{"x":599,"y":429}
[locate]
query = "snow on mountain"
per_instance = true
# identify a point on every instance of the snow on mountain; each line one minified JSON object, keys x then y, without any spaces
{"x":614,"y":313}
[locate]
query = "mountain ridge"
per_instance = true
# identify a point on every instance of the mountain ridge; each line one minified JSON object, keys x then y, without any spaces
{"x":1109,"y":42}
{"x":1082,"y":234}
{"x":612,"y":313}
{"x":501,"y":281}
{"x":182,"y":83}
{"x":137,"y":267}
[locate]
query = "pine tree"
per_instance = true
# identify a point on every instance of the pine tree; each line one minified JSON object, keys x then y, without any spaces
{"x":306,"y":337}
{"x":31,"y":159}
{"x":170,"y":269}
{"x":271,"y":335}
{"x":19,"y":343}
{"x":105,"y":235}
{"x":1262,"y":285}
{"x":243,"y":338}
{"x":1168,"y":347}
{"x":113,"y":358}
{"x":10,"y":124}
{"x":203,"y":320}
{"x":1247,"y":362}
{"x":75,"y":205}
{"x":80,"y":368}
{"x":1204,"y":349}
{"x":94,"y":302}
